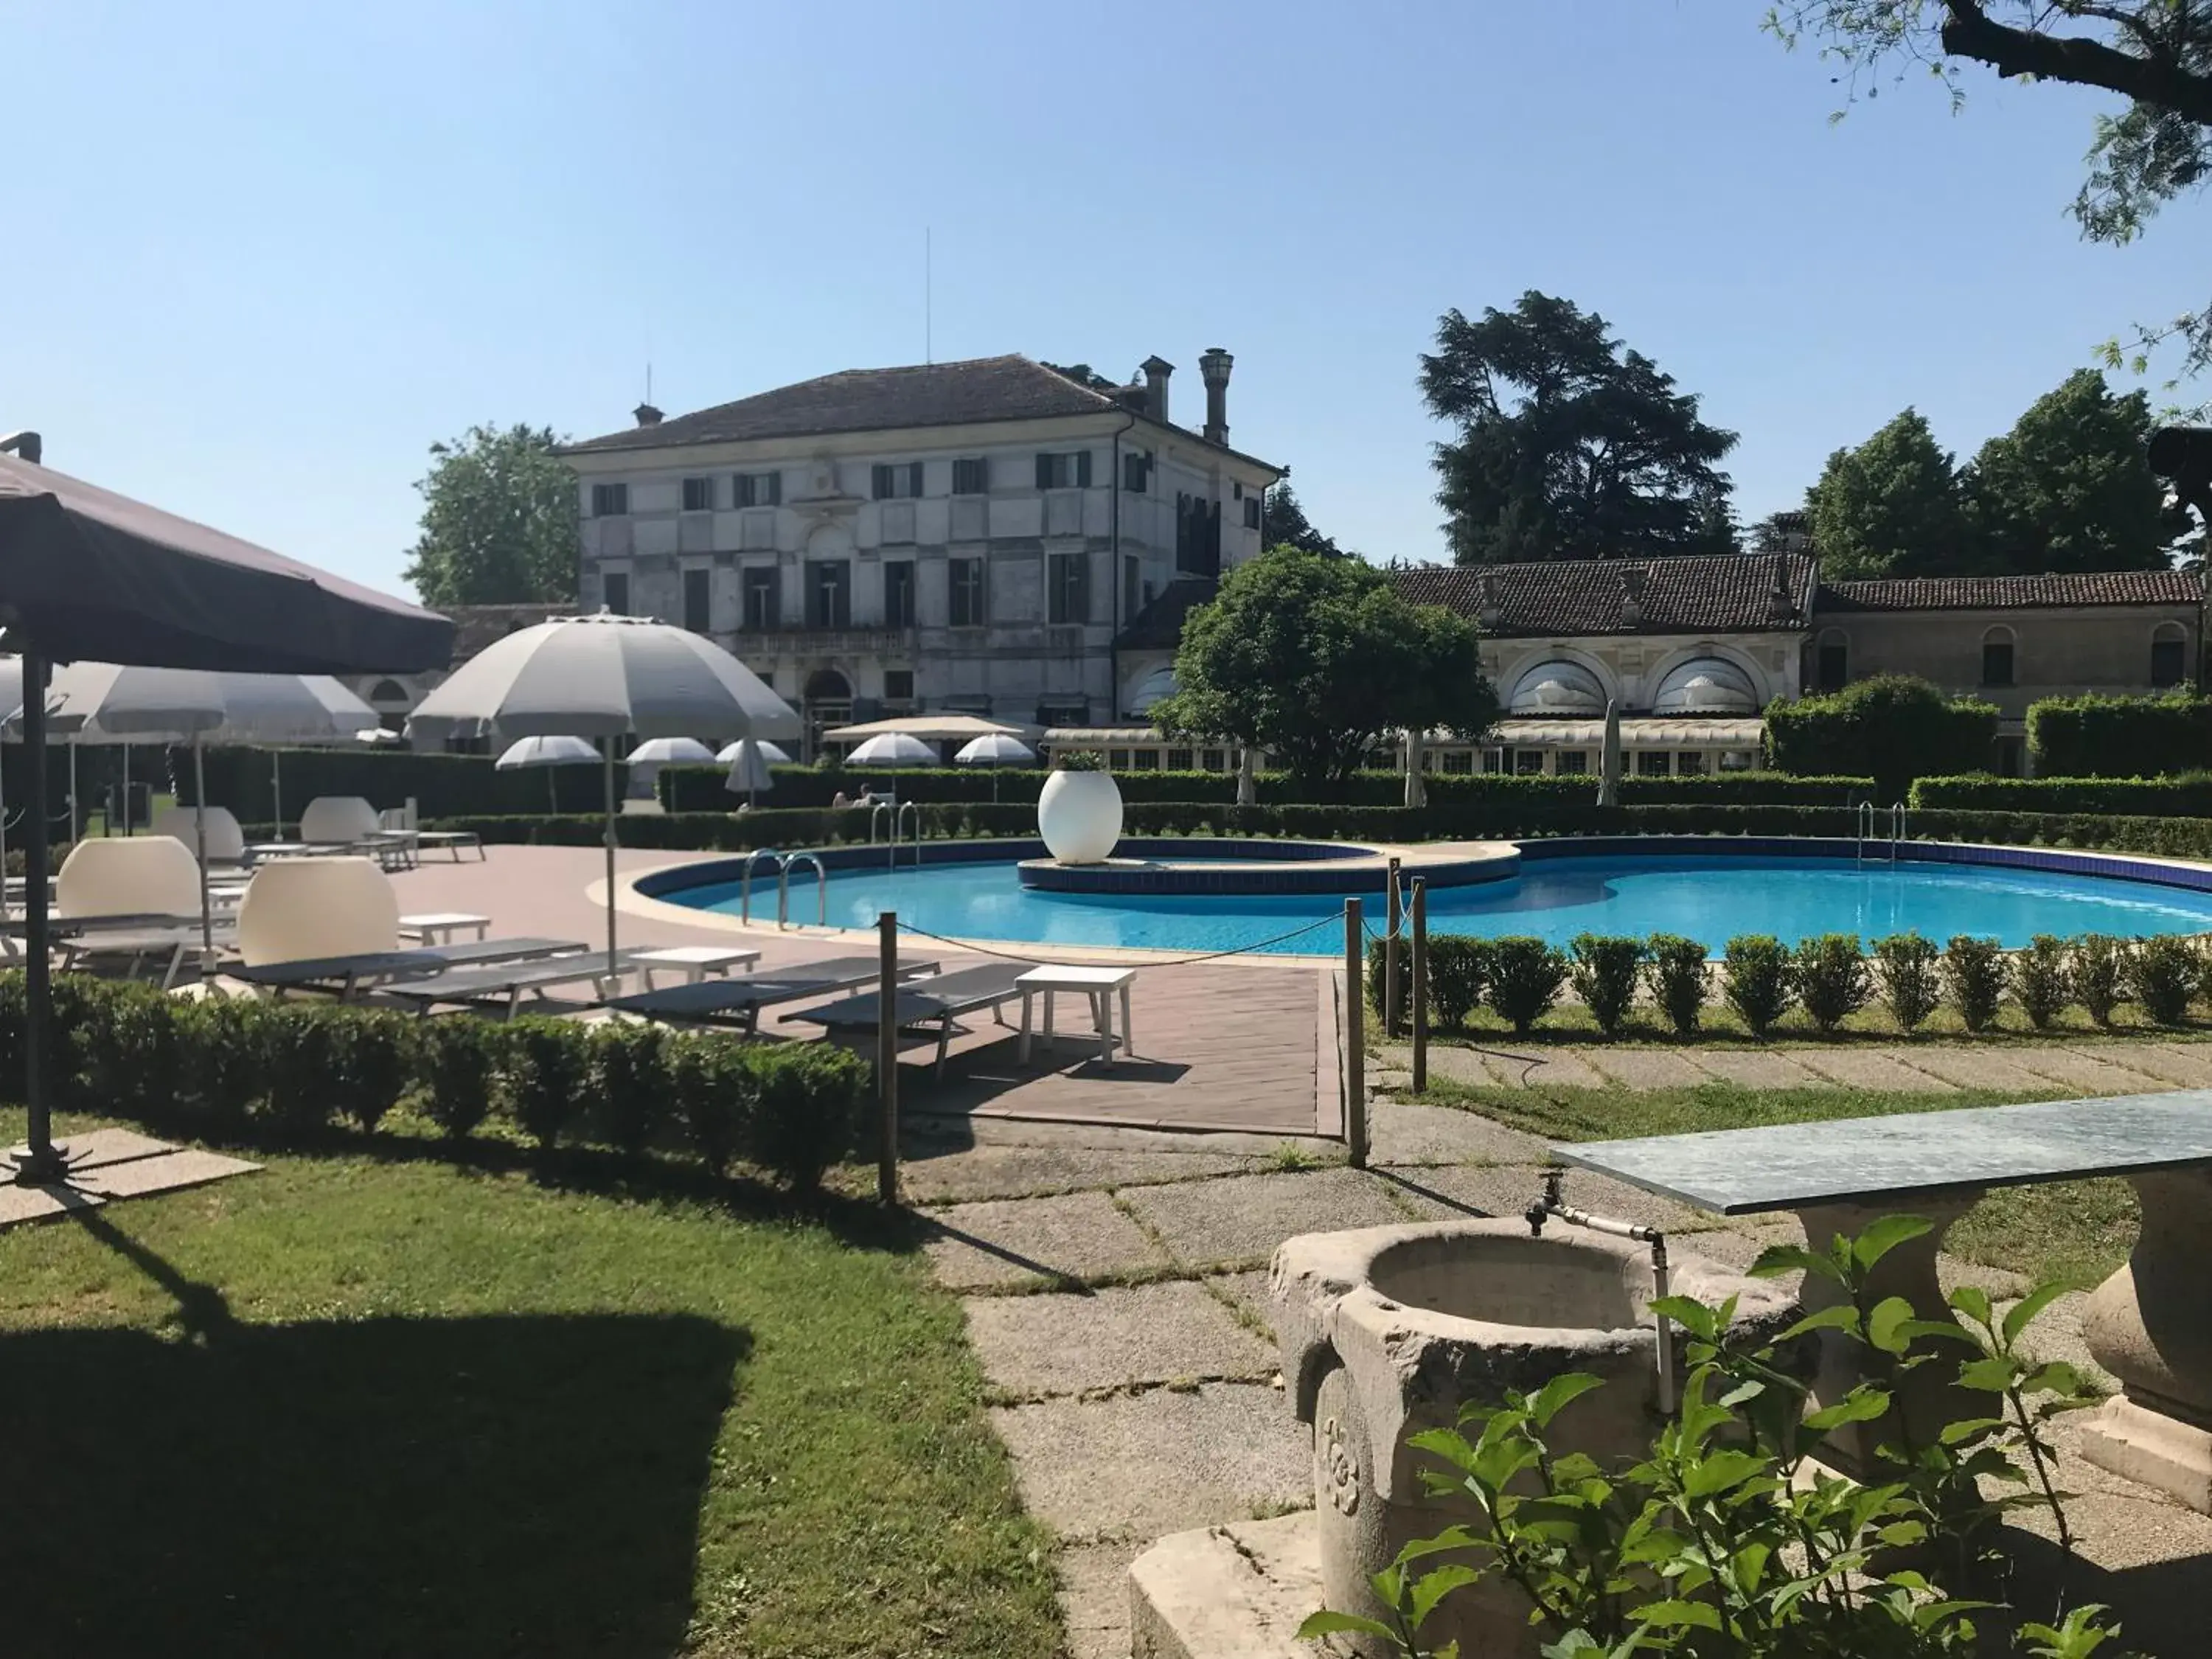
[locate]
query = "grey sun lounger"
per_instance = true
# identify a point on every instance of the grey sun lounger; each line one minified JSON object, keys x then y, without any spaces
{"x":940,"y":1002}
{"x":738,"y":1003}
{"x":502,"y":986}
{"x":346,"y":976}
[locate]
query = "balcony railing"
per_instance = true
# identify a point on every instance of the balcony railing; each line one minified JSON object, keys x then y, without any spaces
{"x":847,"y":641}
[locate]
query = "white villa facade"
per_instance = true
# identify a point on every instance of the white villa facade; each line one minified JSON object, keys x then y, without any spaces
{"x":972,"y":536}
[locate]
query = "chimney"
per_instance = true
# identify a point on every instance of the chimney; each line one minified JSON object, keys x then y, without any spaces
{"x":1213,"y":364}
{"x":1137,"y":399}
{"x":647,"y":415}
{"x":1156,"y":371}
{"x":1631,"y":595}
{"x":1486,"y":609}
{"x":1780,"y":606}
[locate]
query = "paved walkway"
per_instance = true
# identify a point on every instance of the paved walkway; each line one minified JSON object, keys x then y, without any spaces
{"x":2122,"y":1067}
{"x":1115,"y":1288}
{"x":1235,"y":1045}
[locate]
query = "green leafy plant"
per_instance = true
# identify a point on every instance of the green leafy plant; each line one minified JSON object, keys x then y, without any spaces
{"x":1974,"y":975}
{"x":1079,"y":760}
{"x":375,"y":1050}
{"x":1911,"y":988}
{"x":305,"y":1056}
{"x":459,"y":1061}
{"x":1726,"y":1541}
{"x":2096,"y":966}
{"x":1457,"y":968}
{"x":1830,"y":978}
{"x":1604,"y":975}
{"x":1755,"y":978}
{"x":1676,"y":969}
{"x":1524,"y":977}
{"x":548,"y":1067}
{"x":629,"y":1073}
{"x":2042,"y":980}
{"x":2160,"y":973}
{"x":808,"y":1110}
{"x":715,"y":1095}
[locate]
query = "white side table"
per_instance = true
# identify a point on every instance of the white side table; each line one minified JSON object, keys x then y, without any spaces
{"x":443,"y":927}
{"x":694,"y":962}
{"x":1099,"y":984}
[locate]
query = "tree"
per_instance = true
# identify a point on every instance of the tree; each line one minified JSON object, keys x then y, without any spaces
{"x":1568,"y":446}
{"x":1287,"y":526}
{"x":1083,"y":375}
{"x":1716,"y":530}
{"x":2071,"y":488}
{"x":498,"y":521}
{"x":1314,"y":659}
{"x":1893,"y":506}
{"x":2156,"y":55}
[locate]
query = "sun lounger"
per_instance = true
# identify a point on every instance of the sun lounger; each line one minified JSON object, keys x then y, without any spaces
{"x":451,"y":841}
{"x":940,"y":1002}
{"x":172,"y":947}
{"x":344,"y":977}
{"x":737,"y":1004}
{"x":506,"y":984}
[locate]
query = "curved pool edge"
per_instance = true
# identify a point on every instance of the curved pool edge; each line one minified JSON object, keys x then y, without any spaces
{"x":2153,"y":868}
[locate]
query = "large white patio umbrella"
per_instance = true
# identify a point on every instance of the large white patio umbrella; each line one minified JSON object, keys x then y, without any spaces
{"x":772,"y":754}
{"x":995,"y":750}
{"x":547,"y":753}
{"x":671,"y":752}
{"x":606,"y":677}
{"x":892,"y":749}
{"x":748,"y":773}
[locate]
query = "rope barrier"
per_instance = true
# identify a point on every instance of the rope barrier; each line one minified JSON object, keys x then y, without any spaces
{"x":1170,"y":961}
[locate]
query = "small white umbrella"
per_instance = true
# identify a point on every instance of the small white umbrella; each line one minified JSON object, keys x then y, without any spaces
{"x":892,"y":749}
{"x":995,"y":750}
{"x":772,"y":753}
{"x":671,"y":752}
{"x":605,"y":677}
{"x":748,"y":773}
{"x":547,"y":753}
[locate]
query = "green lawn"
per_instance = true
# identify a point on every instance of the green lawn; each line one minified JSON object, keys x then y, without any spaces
{"x":380,"y":1404}
{"x":2077,"y":1229}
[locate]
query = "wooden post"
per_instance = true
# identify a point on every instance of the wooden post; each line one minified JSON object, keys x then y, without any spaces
{"x":1355,"y":1040}
{"x":1394,"y":912}
{"x":887,"y":1155}
{"x":1420,"y":985}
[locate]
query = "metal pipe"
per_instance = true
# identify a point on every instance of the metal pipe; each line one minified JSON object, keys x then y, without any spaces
{"x":898,"y":819}
{"x":612,"y":965}
{"x":783,"y":868}
{"x":43,"y":1162}
{"x":1552,"y":1203}
{"x":887,"y":1149}
{"x":199,"y":852}
{"x":745,"y":878}
{"x":1420,"y":985}
{"x":1355,"y":1041}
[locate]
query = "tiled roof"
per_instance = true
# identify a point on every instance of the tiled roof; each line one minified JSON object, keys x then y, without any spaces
{"x":1159,"y":626}
{"x":2054,"y":589}
{"x":1717,"y":594}
{"x":1010,"y":388}
{"x":476,"y":627}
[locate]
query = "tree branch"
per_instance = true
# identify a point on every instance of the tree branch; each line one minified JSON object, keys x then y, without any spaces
{"x":2161,"y":82}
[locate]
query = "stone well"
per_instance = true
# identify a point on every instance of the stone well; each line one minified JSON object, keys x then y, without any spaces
{"x":1386,"y":1332}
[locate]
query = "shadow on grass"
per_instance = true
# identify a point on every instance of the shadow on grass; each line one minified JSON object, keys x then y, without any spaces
{"x":388,"y":1486}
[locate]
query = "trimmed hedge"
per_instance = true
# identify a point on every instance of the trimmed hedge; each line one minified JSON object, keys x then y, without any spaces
{"x":2093,"y":737}
{"x":2188,"y":796}
{"x":442,"y":785}
{"x":1893,"y":728}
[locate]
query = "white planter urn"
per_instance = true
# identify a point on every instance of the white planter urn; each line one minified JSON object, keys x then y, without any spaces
{"x":1079,"y":816}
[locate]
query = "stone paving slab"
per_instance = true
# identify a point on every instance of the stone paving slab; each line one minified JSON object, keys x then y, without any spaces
{"x":1094,"y":1597}
{"x":139,"y":1177}
{"x":1757,"y":1068}
{"x":2091,"y":1073}
{"x":1244,"y":1217}
{"x":1977,"y":1068}
{"x":981,"y":1172}
{"x":1013,"y":1241}
{"x":1407,"y":1131}
{"x":95,"y":1147}
{"x":1870,"y":1068}
{"x":1110,"y":1338}
{"x":1249,"y":1291}
{"x":1560,"y":1069}
{"x":2175,"y":1064}
{"x":1461,"y":1193}
{"x":21,"y":1204}
{"x":1138,"y":1466}
{"x":1648,"y":1069}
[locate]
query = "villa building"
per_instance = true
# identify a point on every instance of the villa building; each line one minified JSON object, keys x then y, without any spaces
{"x":975,"y":536}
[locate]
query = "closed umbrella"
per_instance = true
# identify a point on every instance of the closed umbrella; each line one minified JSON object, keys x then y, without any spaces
{"x":995,"y":750}
{"x":892,"y":749}
{"x":772,"y":753}
{"x":606,"y":677}
{"x":1609,"y":767}
{"x":548,"y":753}
{"x":748,"y":773}
{"x":89,"y":575}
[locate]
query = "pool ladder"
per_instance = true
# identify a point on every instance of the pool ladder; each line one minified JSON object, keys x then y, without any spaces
{"x":897,"y":810}
{"x":784,"y":863}
{"x":1872,"y":820}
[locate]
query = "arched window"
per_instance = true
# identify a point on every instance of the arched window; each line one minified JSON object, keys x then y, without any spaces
{"x":2169,"y":654}
{"x":1996,"y":657}
{"x":1705,"y":685}
{"x":1557,"y":688}
{"x":1831,"y":668}
{"x":390,"y":692}
{"x":827,"y":685}
{"x":1156,"y":685}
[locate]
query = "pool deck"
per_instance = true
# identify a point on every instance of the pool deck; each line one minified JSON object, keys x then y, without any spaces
{"x":1239,"y":1045}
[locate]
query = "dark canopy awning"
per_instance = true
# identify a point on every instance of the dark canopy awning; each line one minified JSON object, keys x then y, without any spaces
{"x":87,"y":575}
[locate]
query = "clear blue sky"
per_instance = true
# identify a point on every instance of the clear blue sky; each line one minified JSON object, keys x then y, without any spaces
{"x":259,"y":257}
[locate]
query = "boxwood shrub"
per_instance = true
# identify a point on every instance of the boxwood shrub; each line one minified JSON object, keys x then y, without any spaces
{"x":2094,"y":737}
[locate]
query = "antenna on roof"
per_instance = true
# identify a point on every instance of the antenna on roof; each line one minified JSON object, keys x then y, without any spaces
{"x":928,"y":295}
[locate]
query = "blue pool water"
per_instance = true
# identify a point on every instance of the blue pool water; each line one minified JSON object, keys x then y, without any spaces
{"x":1705,"y":897}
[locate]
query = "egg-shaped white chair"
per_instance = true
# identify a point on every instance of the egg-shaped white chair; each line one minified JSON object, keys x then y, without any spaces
{"x":298,"y":909}
{"x":338,"y":820}
{"x":141,"y":876}
{"x":226,"y":841}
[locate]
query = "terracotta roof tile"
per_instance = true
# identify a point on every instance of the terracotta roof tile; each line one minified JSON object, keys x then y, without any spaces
{"x":2054,"y":589}
{"x":1717,"y":594}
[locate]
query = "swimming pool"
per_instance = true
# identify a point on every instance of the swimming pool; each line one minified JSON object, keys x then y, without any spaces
{"x":1706,"y":897}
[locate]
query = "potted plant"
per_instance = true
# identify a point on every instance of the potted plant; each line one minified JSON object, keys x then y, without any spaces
{"x":1079,"y":809}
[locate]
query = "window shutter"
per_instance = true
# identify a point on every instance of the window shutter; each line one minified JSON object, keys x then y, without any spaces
{"x":775,"y":490}
{"x":1083,"y":469}
{"x":879,"y":482}
{"x":1043,"y":471}
{"x":915,"y":473}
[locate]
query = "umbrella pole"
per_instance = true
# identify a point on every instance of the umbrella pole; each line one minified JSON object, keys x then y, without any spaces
{"x":199,"y":852}
{"x":276,"y":789}
{"x":610,"y":761}
{"x":552,"y":798}
{"x":75,"y":835}
{"x":126,"y":793}
{"x":43,"y":1163}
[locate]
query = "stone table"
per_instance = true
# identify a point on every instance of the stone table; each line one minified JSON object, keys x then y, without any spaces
{"x":2149,"y":1324}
